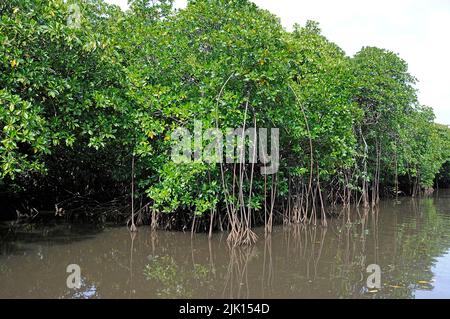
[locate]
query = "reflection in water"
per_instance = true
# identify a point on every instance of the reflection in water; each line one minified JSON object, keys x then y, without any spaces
{"x":409,"y":240}
{"x":132,"y":237}
{"x":236,"y":281}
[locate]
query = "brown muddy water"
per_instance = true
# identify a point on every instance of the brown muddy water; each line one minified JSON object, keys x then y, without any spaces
{"x":409,"y":240}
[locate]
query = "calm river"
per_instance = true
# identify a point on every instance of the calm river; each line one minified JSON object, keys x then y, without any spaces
{"x":409,"y":240}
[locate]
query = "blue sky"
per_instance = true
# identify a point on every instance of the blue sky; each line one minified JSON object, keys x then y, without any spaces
{"x":417,"y":30}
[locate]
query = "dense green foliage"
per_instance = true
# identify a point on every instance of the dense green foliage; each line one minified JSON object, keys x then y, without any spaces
{"x":78,"y":103}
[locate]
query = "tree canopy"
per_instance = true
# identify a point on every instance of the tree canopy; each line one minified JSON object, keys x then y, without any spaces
{"x":80,"y":101}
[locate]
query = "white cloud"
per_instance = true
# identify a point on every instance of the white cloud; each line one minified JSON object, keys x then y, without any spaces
{"x":122,"y":3}
{"x":416,"y":29}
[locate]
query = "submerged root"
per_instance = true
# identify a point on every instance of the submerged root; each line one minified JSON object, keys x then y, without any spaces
{"x":243,"y":237}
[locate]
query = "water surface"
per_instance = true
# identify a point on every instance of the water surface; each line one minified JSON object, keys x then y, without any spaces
{"x":409,"y":240}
